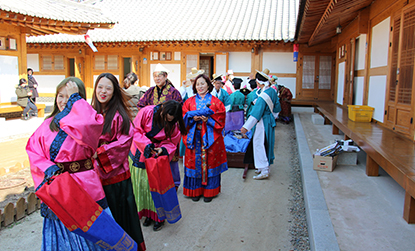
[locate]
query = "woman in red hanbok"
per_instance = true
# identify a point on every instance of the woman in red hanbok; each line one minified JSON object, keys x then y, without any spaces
{"x":112,"y":154}
{"x":205,"y":156}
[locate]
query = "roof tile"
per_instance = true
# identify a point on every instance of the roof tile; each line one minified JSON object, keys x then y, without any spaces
{"x":186,"y":20}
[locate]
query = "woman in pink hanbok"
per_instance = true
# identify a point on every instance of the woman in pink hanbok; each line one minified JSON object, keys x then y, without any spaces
{"x":112,"y":154}
{"x":65,"y":143}
{"x":158,"y":131}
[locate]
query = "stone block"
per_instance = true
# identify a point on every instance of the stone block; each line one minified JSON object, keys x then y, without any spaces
{"x":20,"y":208}
{"x":347,"y":159}
{"x":31,"y":203}
{"x":317,"y":119}
{"x":8,"y":214}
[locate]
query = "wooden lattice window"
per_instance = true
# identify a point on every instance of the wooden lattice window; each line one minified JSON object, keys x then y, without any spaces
{"x":394,"y":60}
{"x":309,"y":66}
{"x":106,"y":62}
{"x":112,"y":62}
{"x":53,"y":63}
{"x":325,"y":73}
{"x":407,"y":56}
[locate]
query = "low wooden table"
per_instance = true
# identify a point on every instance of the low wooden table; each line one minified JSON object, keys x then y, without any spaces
{"x":390,"y":150}
{"x":237,"y":160}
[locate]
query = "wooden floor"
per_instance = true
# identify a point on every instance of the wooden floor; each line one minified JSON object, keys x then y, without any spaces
{"x":390,"y":150}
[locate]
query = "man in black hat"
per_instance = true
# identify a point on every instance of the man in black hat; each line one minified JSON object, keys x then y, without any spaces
{"x":262,"y":123}
{"x":237,"y":98}
{"x":221,"y":93}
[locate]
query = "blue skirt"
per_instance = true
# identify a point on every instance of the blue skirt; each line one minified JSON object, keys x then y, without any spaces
{"x":57,"y":237}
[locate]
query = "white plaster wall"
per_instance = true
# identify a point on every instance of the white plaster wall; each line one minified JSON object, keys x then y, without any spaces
{"x":290,"y":83}
{"x":240,"y":61}
{"x":340,"y":83}
{"x":376,"y":98}
{"x":358,"y":90}
{"x":360,"y":52}
{"x":33,"y":62}
{"x":220,"y":64}
{"x":279,"y":62}
{"x":380,"y":44}
{"x":9,"y":78}
{"x":48,"y":83}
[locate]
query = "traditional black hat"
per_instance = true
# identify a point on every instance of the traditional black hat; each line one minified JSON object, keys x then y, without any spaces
{"x":216,"y":77}
{"x":252,"y":83}
{"x":237,"y":83}
{"x":261,"y":76}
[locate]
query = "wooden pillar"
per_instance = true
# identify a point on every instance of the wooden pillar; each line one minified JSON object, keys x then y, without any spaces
{"x":335,"y":130}
{"x":326,"y":121}
{"x":409,"y":208}
{"x":372,"y":168}
{"x":22,"y":48}
{"x":346,"y":137}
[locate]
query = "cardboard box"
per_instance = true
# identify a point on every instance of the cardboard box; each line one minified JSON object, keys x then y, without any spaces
{"x":321,"y":163}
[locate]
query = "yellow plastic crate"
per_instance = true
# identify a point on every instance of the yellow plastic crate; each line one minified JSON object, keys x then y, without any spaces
{"x":360,"y":113}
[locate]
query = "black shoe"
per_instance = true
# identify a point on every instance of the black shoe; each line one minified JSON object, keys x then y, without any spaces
{"x":158,"y":225}
{"x":147,"y":222}
{"x":207,"y":199}
{"x":196,"y":198}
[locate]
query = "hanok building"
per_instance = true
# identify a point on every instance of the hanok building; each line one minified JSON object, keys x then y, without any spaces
{"x":216,"y":36}
{"x":373,"y":45}
{"x":351,"y":52}
{"x":19,"y":19}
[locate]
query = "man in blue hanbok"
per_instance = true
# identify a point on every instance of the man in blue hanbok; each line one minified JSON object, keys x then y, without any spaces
{"x":221,"y":93}
{"x":262,"y":123}
{"x":237,"y":98}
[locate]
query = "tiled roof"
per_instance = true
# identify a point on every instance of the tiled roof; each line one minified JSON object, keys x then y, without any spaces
{"x":61,"y":10}
{"x":191,"y":20}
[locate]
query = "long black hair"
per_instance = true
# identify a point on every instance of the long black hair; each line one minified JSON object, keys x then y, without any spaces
{"x":172,"y":108}
{"x":81,"y":90}
{"x":116,"y":103}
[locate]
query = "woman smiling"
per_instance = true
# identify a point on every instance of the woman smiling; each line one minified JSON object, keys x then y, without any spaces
{"x":205,"y":157}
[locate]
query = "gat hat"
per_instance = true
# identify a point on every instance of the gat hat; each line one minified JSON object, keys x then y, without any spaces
{"x":266,"y":71}
{"x":160,"y":67}
{"x":216,"y":77}
{"x":252,"y":83}
{"x":194,"y":73}
{"x":230,"y":72}
{"x":262,"y":76}
{"x":237,"y":81}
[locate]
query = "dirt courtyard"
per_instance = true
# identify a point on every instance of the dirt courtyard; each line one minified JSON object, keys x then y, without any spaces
{"x":247,"y":215}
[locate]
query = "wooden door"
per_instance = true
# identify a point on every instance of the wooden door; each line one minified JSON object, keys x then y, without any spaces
{"x":399,"y":110}
{"x":350,"y":65}
{"x":317,"y":77}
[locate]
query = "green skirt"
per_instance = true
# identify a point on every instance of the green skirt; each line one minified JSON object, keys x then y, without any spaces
{"x":142,"y":194}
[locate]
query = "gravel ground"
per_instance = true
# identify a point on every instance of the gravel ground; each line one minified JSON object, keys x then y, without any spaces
{"x":298,"y":226}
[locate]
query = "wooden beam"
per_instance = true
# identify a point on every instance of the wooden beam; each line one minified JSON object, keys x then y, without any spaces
{"x":322,"y":21}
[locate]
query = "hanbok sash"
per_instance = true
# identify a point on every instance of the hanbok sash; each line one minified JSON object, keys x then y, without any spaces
{"x":162,"y":188}
{"x":269,"y":102}
{"x":64,"y":196}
